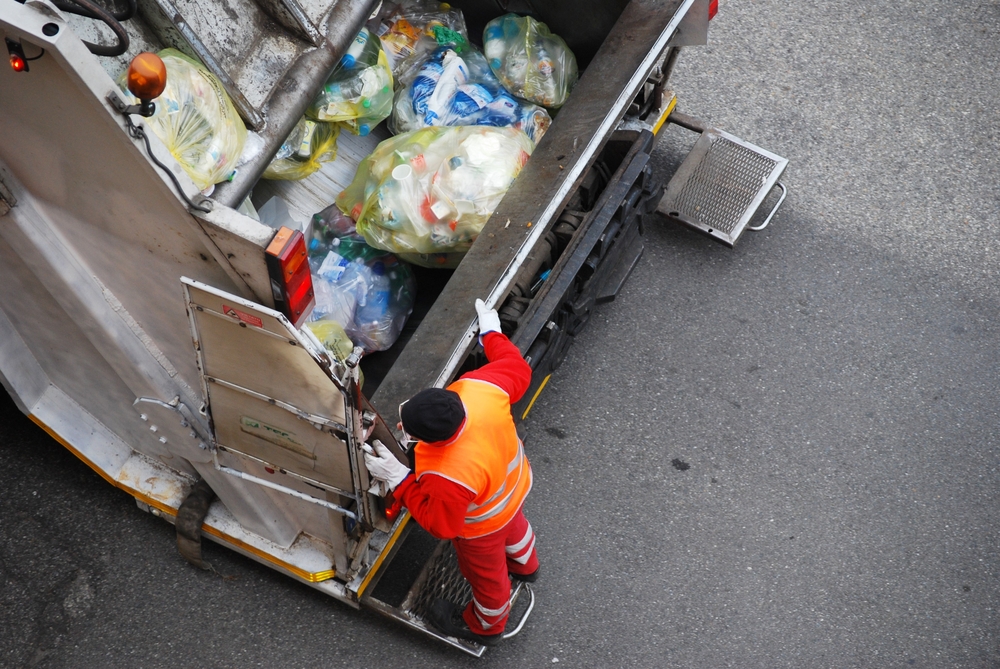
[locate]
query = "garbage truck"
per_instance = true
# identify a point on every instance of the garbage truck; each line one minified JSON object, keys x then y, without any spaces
{"x":154,"y":329}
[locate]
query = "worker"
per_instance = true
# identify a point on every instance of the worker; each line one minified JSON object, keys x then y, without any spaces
{"x":470,"y":480}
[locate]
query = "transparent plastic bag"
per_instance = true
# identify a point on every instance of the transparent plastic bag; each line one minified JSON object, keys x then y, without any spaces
{"x":450,"y":89}
{"x":339,"y":284}
{"x":358,"y":94}
{"x":367,"y":291}
{"x":431,"y":191}
{"x":196,"y":120}
{"x":310,"y":144}
{"x":411,"y":29}
{"x":529,"y":60}
{"x":387,"y":305}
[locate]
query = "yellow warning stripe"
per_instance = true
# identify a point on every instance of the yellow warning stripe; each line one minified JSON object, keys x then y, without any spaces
{"x":537,"y":393}
{"x":666,"y":112}
{"x":311,"y":577}
{"x":385,"y":551}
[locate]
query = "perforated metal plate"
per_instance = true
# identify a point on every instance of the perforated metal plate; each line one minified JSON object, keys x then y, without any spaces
{"x":721,"y":184}
{"x":440,"y":580}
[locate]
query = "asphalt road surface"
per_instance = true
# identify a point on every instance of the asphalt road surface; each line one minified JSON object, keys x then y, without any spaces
{"x":782,"y":455}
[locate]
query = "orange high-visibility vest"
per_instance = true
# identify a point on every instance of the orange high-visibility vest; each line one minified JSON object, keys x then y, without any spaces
{"x":486,"y":457}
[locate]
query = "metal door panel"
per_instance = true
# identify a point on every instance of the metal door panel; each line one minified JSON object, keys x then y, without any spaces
{"x":271,"y":399}
{"x":279,"y":438}
{"x":261,"y":354}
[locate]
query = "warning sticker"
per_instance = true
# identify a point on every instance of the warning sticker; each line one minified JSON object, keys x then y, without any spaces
{"x":249,"y":319}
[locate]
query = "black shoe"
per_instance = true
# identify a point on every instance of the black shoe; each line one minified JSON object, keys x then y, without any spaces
{"x":526,"y":578}
{"x":447,"y":618}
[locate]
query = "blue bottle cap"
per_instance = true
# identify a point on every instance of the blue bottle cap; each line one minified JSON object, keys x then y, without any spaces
{"x":348,"y":60}
{"x":363,"y":129}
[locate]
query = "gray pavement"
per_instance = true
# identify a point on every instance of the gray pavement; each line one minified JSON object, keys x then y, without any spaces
{"x":784,"y":455}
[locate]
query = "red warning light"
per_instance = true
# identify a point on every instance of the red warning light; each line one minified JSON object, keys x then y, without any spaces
{"x":18,"y":62}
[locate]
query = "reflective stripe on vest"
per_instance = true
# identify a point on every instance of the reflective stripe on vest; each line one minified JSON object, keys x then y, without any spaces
{"x":486,"y":457}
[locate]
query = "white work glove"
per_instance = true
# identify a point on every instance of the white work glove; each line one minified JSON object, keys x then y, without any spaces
{"x":489,"y":320}
{"x":383,"y":465}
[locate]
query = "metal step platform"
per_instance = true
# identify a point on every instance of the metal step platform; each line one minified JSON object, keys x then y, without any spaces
{"x":721,"y":184}
{"x":440,"y":578}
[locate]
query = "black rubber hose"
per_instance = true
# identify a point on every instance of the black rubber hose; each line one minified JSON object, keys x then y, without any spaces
{"x":102,"y":14}
{"x":71,"y":7}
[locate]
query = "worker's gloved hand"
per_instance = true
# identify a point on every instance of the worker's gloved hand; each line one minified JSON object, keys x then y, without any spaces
{"x":489,"y":320}
{"x":383,"y":465}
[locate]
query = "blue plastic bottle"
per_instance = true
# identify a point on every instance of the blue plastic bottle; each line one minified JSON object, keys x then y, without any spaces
{"x":377,"y":303}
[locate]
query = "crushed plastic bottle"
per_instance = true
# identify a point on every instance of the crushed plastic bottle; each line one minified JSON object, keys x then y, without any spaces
{"x":451,"y":89}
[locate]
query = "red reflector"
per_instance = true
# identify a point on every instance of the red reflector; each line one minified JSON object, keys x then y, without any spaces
{"x":291,"y":282}
{"x":713,"y":9}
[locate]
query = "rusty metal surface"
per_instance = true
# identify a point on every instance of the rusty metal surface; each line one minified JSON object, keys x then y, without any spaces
{"x":294,"y":92}
{"x":580,"y":130}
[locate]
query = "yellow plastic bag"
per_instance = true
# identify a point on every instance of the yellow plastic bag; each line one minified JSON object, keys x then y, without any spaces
{"x":333,"y":337}
{"x":310,"y":144}
{"x":427,"y":194}
{"x":196,"y":120}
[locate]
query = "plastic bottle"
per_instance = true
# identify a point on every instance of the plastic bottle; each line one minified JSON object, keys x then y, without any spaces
{"x":539,"y":83}
{"x":502,"y":110}
{"x":333,"y":302}
{"x":357,"y":49}
{"x":493,"y":44}
{"x":454,"y":73}
{"x":469,"y":99}
{"x":357,"y":279}
{"x":348,"y":89}
{"x":425,"y":82}
{"x":304,"y":149}
{"x":318,"y":251}
{"x":377,"y":299}
{"x":333,"y":267}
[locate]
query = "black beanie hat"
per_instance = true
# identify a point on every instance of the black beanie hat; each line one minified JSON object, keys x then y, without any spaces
{"x":434,"y":414}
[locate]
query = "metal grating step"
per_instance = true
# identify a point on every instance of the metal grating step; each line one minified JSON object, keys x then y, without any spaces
{"x":440,"y":578}
{"x":721,"y":184}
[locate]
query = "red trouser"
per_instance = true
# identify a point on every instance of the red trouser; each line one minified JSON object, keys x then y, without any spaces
{"x":485,"y":563}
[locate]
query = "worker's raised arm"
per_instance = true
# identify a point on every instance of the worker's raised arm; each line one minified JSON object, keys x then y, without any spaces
{"x":506,"y":368}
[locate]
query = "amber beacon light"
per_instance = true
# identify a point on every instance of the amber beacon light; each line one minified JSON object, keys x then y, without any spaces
{"x":146,"y":79}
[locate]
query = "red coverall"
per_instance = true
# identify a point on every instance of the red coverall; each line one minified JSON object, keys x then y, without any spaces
{"x":439,"y":506}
